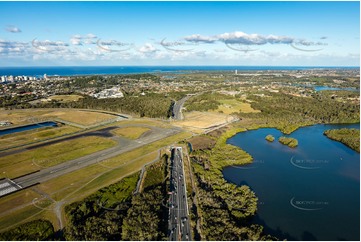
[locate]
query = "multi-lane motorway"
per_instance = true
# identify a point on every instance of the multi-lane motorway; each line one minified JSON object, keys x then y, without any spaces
{"x":179,"y":228}
{"x":177,"y":108}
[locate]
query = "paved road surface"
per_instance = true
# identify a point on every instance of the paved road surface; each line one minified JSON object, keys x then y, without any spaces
{"x":179,"y":228}
{"x":177,"y":108}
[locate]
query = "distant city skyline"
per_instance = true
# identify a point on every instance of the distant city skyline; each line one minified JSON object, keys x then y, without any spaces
{"x":179,"y":33}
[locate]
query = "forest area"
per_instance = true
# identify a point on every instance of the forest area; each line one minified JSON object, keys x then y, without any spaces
{"x":116,"y":213}
{"x":287,"y":113}
{"x":152,"y":105}
{"x":35,"y":230}
{"x":205,"y":102}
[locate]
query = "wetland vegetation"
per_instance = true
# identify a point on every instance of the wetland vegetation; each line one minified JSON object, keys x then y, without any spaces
{"x":349,"y":137}
{"x":290,"y":142}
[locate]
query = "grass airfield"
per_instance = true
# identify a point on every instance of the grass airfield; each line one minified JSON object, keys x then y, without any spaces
{"x":47,"y":199}
{"x":80,"y":117}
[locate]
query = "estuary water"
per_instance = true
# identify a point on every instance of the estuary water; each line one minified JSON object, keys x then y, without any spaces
{"x":311,"y":192}
{"x":325,"y":88}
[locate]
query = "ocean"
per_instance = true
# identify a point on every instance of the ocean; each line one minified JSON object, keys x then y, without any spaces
{"x":102,"y":70}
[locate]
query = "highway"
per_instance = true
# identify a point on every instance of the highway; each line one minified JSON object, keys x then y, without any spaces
{"x":179,"y":228}
{"x":177,"y":108}
{"x":123,"y":145}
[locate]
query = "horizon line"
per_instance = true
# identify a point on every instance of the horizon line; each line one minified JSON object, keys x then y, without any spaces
{"x":180,"y":66}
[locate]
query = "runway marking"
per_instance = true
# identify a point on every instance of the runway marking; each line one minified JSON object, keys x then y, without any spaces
{"x":8,"y":186}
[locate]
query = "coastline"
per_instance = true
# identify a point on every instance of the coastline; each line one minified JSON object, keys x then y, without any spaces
{"x":118,"y":70}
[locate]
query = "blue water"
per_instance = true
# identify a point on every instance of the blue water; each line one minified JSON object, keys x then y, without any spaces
{"x":90,"y":70}
{"x":325,"y":88}
{"x":311,"y":192}
{"x":27,"y":127}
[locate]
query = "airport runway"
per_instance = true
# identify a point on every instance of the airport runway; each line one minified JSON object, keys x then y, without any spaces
{"x":123,"y":145}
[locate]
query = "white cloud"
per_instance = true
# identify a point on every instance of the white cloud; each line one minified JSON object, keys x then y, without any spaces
{"x":48,"y":45}
{"x":88,"y":39}
{"x":196,"y":38}
{"x":13,"y":29}
{"x":227,"y":49}
{"x":148,"y":48}
{"x":76,"y":41}
{"x":177,"y":46}
{"x":113,"y":45}
{"x":241,"y":38}
{"x":13,"y":47}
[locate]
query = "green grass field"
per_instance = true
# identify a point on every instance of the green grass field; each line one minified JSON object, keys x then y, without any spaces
{"x":18,"y":217}
{"x":33,"y":160}
{"x":81,"y":117}
{"x":229,"y":106}
{"x":65,"y":98}
{"x":27,"y":137}
{"x":16,"y":199}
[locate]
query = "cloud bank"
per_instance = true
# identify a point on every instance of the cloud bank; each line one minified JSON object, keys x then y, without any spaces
{"x":242,"y":38}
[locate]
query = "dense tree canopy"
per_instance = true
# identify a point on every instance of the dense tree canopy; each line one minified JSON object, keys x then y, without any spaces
{"x":100,"y":216}
{"x":34,"y":230}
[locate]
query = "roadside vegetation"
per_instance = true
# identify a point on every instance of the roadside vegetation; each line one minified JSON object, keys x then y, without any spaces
{"x":349,"y":137}
{"x":147,"y":219}
{"x":155,"y":174}
{"x":290,"y":142}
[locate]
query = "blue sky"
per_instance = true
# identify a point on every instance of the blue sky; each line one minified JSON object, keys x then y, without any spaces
{"x":179,"y":33}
